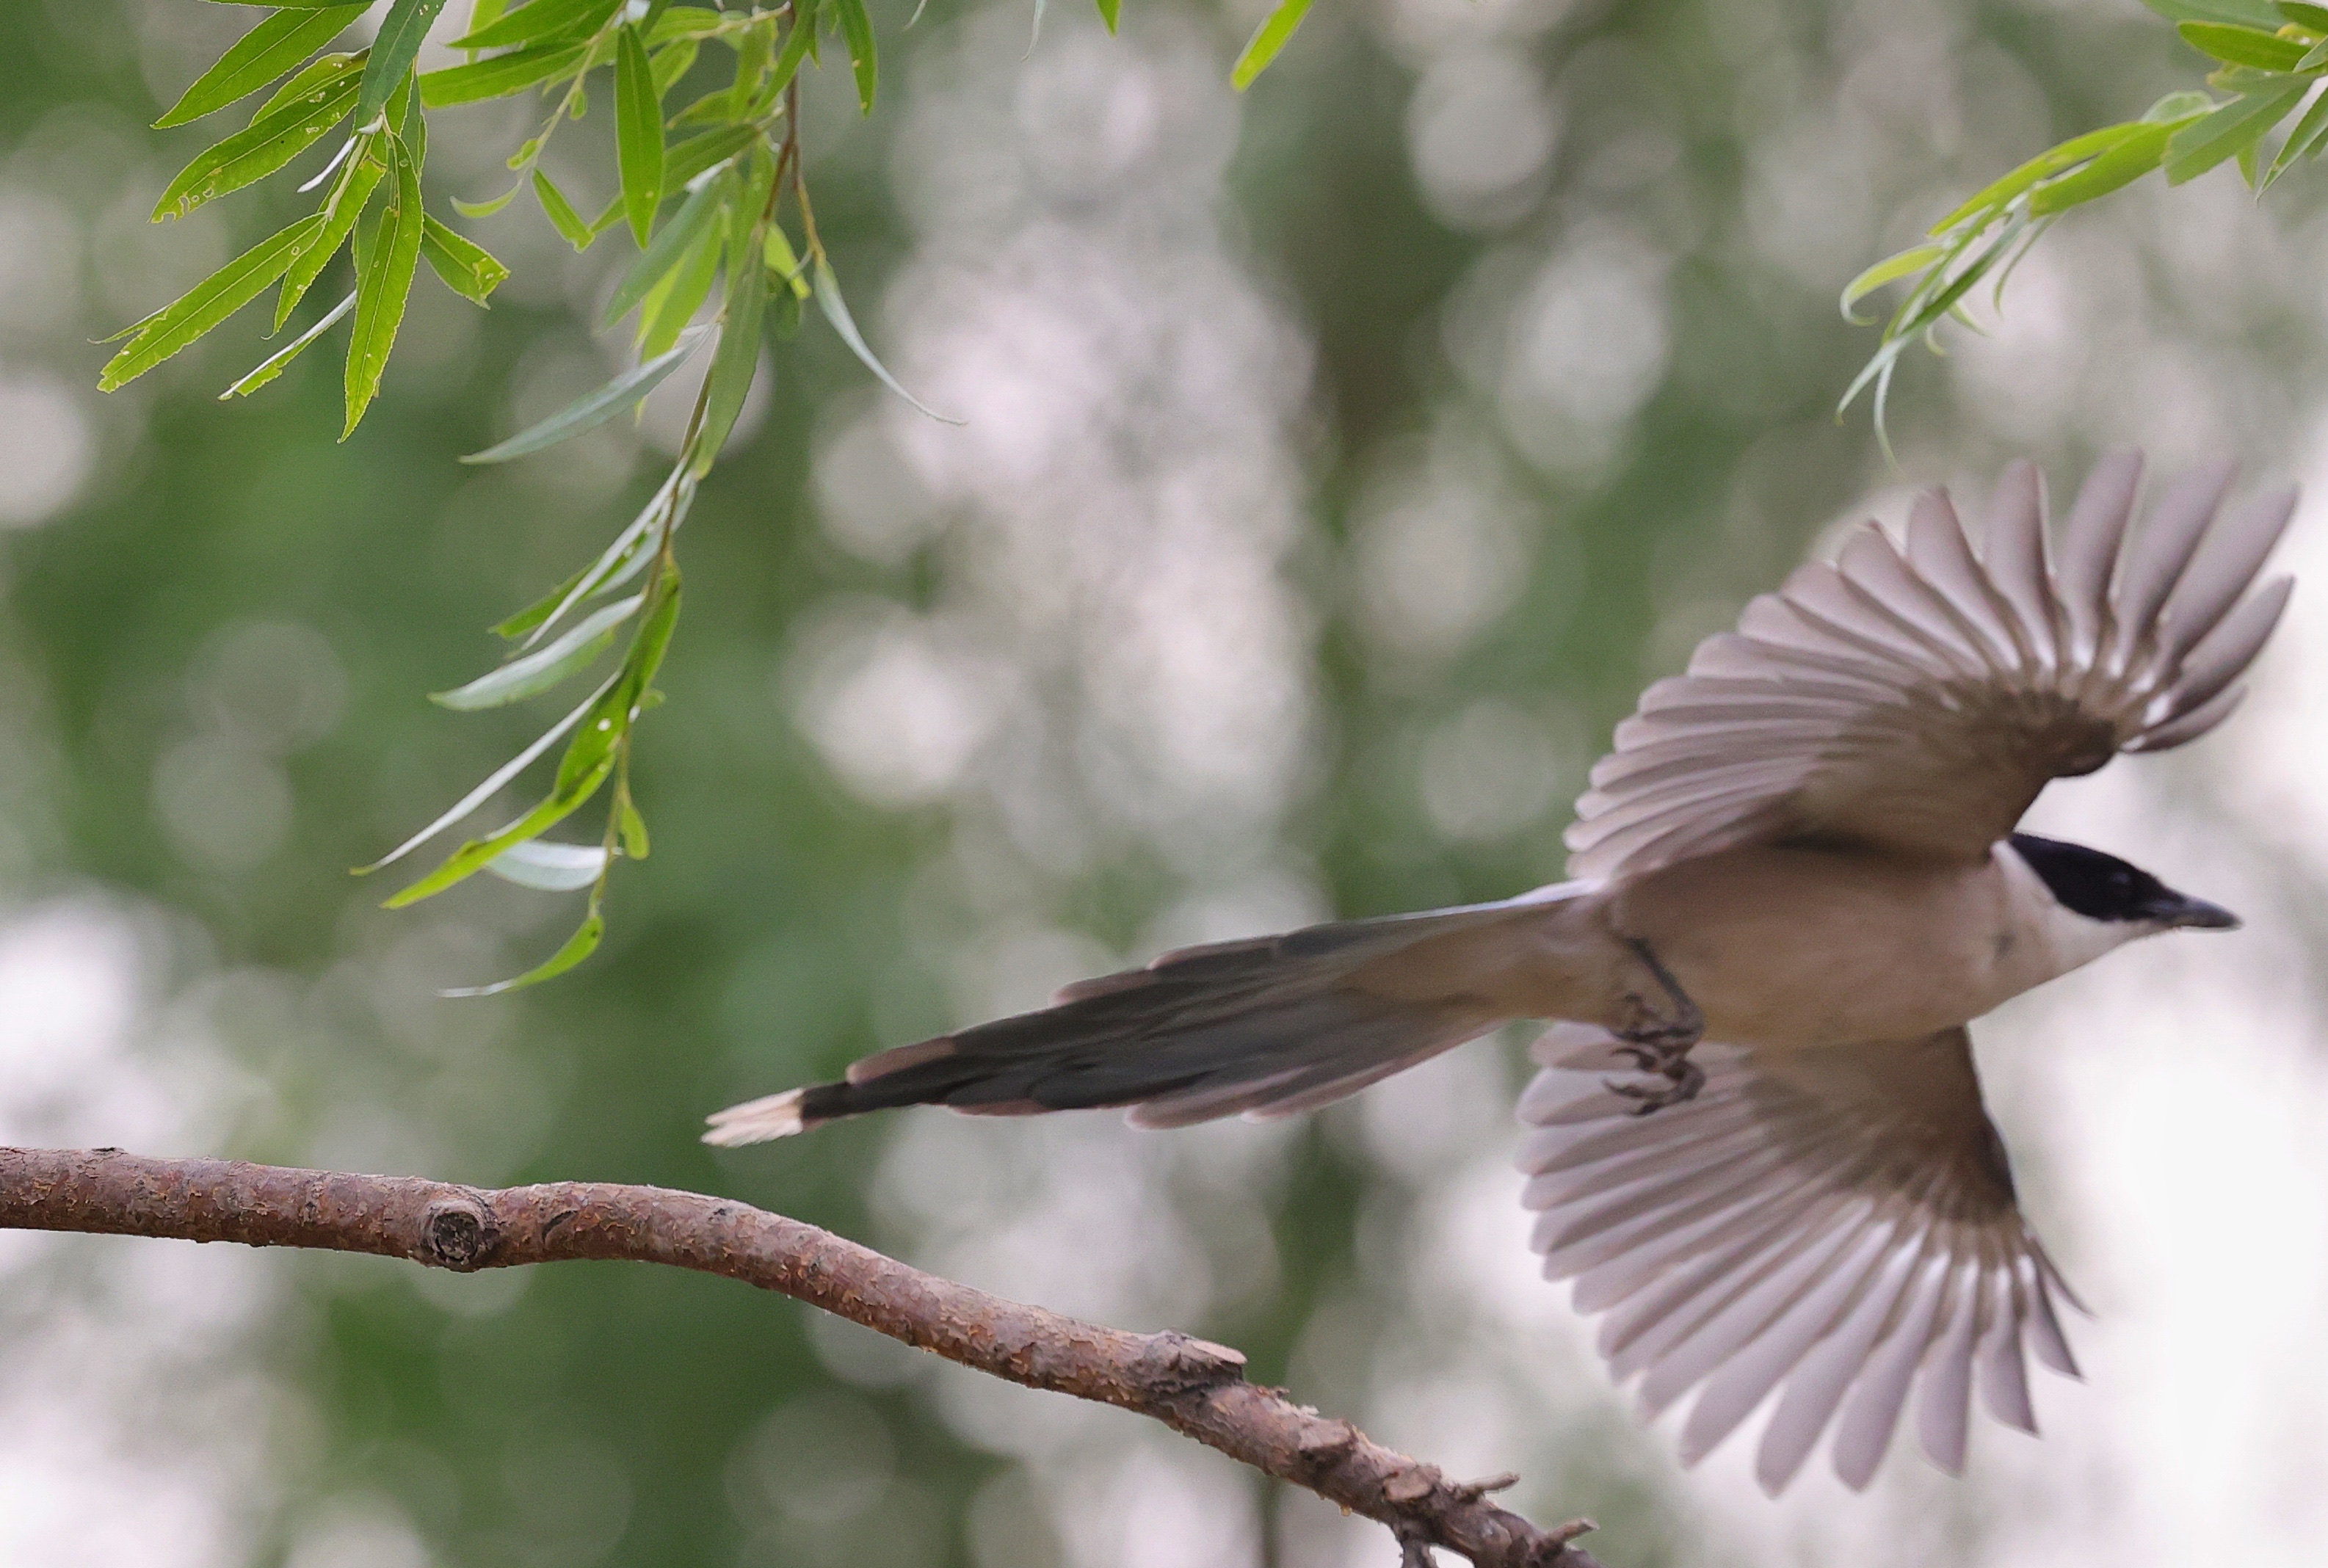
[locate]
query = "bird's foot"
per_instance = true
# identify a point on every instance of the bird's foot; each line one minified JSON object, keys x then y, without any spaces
{"x":1659,"y":1042}
{"x":1683,"y":1079}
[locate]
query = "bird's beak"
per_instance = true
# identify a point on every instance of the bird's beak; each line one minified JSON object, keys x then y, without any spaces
{"x":2180,"y":913}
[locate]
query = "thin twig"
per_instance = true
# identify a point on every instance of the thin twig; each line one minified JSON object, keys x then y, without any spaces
{"x":1196,"y":1388}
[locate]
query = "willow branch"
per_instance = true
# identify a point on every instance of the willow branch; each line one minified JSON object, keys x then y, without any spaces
{"x":1196,"y":1388}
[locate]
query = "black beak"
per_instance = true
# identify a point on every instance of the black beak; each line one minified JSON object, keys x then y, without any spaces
{"x":2181,"y":913}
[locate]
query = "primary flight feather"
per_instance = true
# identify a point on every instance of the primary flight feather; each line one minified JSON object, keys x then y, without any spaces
{"x":1757,"y":1145}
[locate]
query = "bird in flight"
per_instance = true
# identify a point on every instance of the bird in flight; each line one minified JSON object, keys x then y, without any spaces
{"x":1758,"y":1144}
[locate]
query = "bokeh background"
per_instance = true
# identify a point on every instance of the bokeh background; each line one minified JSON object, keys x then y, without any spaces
{"x":1340,"y":461}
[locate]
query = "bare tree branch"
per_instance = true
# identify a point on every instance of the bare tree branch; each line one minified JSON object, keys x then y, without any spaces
{"x":1196,"y":1388}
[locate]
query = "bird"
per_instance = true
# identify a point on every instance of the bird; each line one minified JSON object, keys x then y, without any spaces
{"x":1757,"y":1143}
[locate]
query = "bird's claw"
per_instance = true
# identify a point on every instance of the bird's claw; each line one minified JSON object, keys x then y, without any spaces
{"x":1684,"y":1079}
{"x":1659,"y":1043}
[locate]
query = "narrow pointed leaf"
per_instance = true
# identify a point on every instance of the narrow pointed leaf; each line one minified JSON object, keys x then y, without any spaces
{"x":541,"y":19}
{"x":593,"y":408}
{"x":797,"y":43}
{"x":497,"y":76}
{"x":466,"y":267}
{"x":578,"y":947}
{"x":276,"y":45}
{"x":272,"y":365}
{"x":279,"y":132}
{"x":477,"y":854}
{"x":2303,"y":141}
{"x":663,"y":251}
{"x":1994,"y":197}
{"x":638,"y":132}
{"x":672,"y":304}
{"x":2239,"y":125}
{"x":2313,"y":19}
{"x":617,"y":564}
{"x":546,"y":667}
{"x":393,"y":52}
{"x":684,"y":162}
{"x":1890,"y":269}
{"x":732,"y":366}
{"x":206,"y":305}
{"x":549,"y":867}
{"x":560,"y":212}
{"x":1275,"y":32}
{"x":383,"y":283}
{"x":463,"y":808}
{"x":1111,"y":12}
{"x":350,"y":194}
{"x":2247,"y":46}
{"x":856,"y":27}
{"x":2123,"y":164}
{"x":836,"y":311}
{"x":635,"y":843}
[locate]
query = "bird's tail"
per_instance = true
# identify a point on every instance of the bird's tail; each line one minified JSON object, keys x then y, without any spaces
{"x":1269,"y":1027}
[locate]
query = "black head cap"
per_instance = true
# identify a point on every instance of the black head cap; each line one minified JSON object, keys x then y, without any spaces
{"x":2102,"y":886}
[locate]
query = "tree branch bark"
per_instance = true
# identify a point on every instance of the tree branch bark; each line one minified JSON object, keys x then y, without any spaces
{"x":1196,"y":1388}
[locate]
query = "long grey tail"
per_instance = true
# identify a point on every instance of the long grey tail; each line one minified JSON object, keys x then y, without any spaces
{"x":1270,"y":1026}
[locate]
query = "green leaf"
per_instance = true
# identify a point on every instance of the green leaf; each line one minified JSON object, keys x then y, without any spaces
{"x":206,"y":305}
{"x":635,"y":843}
{"x":272,"y":365}
{"x":578,"y":947}
{"x":2259,"y":51}
{"x":2123,"y":164}
{"x":541,"y":19}
{"x":1275,"y":32}
{"x":619,"y":561}
{"x":392,"y":54}
{"x":671,"y":62}
{"x":313,"y":102}
{"x":1110,"y":11}
{"x":475,"y":855}
{"x":836,"y":311}
{"x":1993,"y":198}
{"x":683,"y":162}
{"x":350,"y":194}
{"x":549,"y":666}
{"x":638,"y":132}
{"x":672,"y":304}
{"x":485,"y":13}
{"x":498,"y":76}
{"x":548,"y":867}
{"x":2239,"y":125}
{"x":594,"y":407}
{"x":2178,"y":107}
{"x":466,"y":267}
{"x":664,"y":251}
{"x":756,"y":56}
{"x":2303,"y":141}
{"x":856,"y":27}
{"x":1890,"y":269}
{"x":733,"y":363}
{"x":562,"y":212}
{"x":2254,"y":13}
{"x":2313,"y":19}
{"x":275,"y":46}
{"x":797,"y":43}
{"x":467,"y":805}
{"x":383,"y":283}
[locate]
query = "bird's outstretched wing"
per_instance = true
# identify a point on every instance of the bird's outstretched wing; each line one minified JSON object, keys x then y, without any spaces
{"x":1917,"y":697}
{"x":1839,"y":1223}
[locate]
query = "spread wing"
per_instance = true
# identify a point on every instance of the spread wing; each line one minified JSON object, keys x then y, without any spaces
{"x":1838,"y":1223}
{"x":1917,"y":697}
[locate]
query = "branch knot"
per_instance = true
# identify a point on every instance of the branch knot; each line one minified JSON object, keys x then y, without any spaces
{"x":458,"y":1234}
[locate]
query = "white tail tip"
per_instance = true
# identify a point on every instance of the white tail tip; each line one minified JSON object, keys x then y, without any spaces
{"x":757,"y":1121}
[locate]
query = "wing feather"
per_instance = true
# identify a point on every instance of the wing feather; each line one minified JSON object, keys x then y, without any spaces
{"x":1918,"y":697}
{"x":1835,"y":1228}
